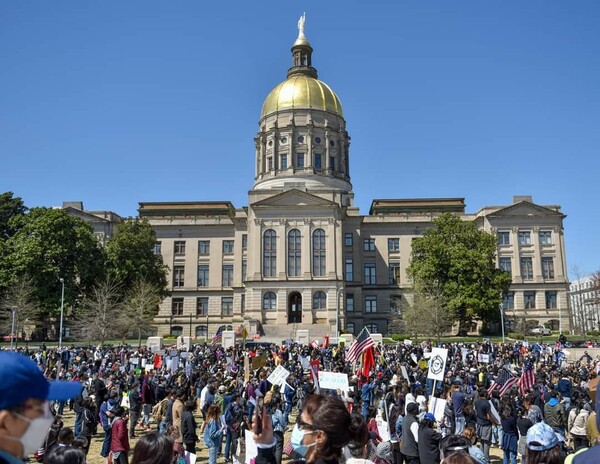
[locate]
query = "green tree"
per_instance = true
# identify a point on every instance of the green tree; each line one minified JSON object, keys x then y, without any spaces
{"x":140,"y":308}
{"x":49,"y":245}
{"x":456,"y":260}
{"x":131,"y":257}
{"x":10,"y":208}
{"x":429,"y":315}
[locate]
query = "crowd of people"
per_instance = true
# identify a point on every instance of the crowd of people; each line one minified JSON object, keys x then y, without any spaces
{"x":527,"y":400}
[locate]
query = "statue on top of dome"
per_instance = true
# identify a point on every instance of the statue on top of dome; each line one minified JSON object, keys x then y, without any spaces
{"x":301,"y":22}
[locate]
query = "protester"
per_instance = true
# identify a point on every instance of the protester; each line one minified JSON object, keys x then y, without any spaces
{"x":188,"y":426}
{"x":543,"y":445}
{"x":65,"y":455}
{"x":153,"y":448}
{"x":213,"y":433}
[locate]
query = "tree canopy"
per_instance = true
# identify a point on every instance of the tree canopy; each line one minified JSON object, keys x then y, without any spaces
{"x":456,"y":260}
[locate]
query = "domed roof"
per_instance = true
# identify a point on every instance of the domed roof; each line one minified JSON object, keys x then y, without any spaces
{"x":302,"y":91}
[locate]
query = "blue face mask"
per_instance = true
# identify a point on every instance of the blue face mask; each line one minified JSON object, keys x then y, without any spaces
{"x":296,"y":440}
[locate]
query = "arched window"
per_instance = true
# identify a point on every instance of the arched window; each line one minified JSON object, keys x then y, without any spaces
{"x":294,"y":253}
{"x":373,"y":328}
{"x":269,"y":301}
{"x":350,"y":327}
{"x":269,"y":253}
{"x":177,"y":330}
{"x":319,"y":300}
{"x":318,"y":252}
{"x":201,"y":331}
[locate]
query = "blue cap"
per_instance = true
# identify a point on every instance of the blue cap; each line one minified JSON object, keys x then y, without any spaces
{"x":429,"y":416}
{"x":22,"y":380}
{"x":542,"y":437}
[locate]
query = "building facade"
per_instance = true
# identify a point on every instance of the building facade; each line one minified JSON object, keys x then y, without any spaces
{"x":300,"y":254}
{"x":584,"y":297}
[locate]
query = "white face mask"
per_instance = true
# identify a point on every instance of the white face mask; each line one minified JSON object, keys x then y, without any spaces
{"x":34,"y":436}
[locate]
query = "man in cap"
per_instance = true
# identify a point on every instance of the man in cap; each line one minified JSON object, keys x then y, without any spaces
{"x":25,"y":416}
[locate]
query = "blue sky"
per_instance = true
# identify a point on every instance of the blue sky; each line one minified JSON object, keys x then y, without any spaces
{"x":119,"y":102}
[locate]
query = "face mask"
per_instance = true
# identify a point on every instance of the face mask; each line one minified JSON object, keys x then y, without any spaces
{"x":34,"y":436}
{"x":296,"y":440}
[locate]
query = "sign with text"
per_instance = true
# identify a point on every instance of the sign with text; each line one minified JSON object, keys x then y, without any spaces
{"x":333,"y":381}
{"x":383,"y":429}
{"x":278,"y":376}
{"x":437,"y":364}
{"x":228,"y":339}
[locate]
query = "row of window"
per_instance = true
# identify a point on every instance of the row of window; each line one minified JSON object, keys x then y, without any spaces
{"x":369,"y":243}
{"x":202,"y":306}
{"x":201,"y":330}
{"x":524,"y":237}
{"x":294,"y":253}
{"x":526,"y":266}
{"x":301,"y":139}
{"x":204,"y":273}
{"x":529,"y":297}
{"x":371,"y":327}
{"x":370,"y":272}
{"x":300,"y":163}
{"x":203,"y":246}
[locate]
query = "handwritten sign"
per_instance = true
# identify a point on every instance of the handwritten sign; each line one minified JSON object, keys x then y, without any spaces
{"x":333,"y":381}
{"x":279,"y":375}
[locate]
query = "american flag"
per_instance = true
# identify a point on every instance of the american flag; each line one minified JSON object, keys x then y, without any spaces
{"x":217,"y":337}
{"x":505,"y":381}
{"x":362,"y":342}
{"x":508,"y":385}
{"x":527,"y":378}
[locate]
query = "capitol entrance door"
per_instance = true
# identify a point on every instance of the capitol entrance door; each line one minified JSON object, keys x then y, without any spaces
{"x":295,"y":308}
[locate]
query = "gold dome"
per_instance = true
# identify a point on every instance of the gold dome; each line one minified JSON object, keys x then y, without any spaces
{"x":302,"y":91}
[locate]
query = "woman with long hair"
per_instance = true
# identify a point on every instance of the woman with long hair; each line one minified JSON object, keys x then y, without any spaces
{"x":153,"y":448}
{"x":212,"y":432}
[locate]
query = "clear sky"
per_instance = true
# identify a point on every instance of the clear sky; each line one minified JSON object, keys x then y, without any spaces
{"x":119,"y":102}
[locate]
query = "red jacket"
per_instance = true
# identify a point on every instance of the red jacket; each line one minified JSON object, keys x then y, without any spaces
{"x":119,"y":438}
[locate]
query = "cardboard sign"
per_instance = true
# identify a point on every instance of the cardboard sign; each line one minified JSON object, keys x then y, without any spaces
{"x":437,"y":363}
{"x":259,"y":361}
{"x":278,"y":376}
{"x":333,"y":380}
{"x":436,"y":407}
{"x":383,"y":429}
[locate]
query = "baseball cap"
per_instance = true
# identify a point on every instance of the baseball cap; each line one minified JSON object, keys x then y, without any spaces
{"x":22,"y":379}
{"x":541,"y":437}
{"x":429,"y":416}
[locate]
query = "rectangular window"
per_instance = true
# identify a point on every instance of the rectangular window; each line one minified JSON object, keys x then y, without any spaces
{"x":244,"y":269}
{"x":370,"y":274}
{"x":227,"y":275}
{"x":203,"y":275}
{"x":349,"y":270}
{"x":227,"y":306}
{"x":243,"y":303}
{"x":524,"y":238}
{"x":284,"y":163}
{"x":527,"y":268}
{"x":508,"y":300}
{"x":548,"y":267}
{"x":157,"y":248}
{"x":529,"y":300}
{"x":227,"y":247}
{"x":317,"y":160}
{"x":505,"y":264}
{"x":332,"y":163}
{"x":393,"y":244}
{"x":204,"y":247}
{"x":244,"y":241}
{"x":396,"y":304}
{"x":201,"y":306}
{"x":394,"y":273}
{"x":178,"y":276}
{"x":269,"y":163}
{"x":177,"y":307}
{"x":180,"y":247}
{"x":350,"y":303}
{"x":503,"y":238}
{"x":545,"y":237}
{"x":370,"y":304}
{"x":348,"y":239}
{"x":551,"y":299}
{"x":300,"y":160}
{"x":369,"y":244}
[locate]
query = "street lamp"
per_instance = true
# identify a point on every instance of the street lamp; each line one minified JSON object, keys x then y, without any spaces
{"x":337,"y":313}
{"x":62,"y":311}
{"x":502,"y":322}
{"x":12,"y":331}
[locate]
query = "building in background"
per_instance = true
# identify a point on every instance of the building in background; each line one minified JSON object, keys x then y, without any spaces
{"x":104,"y":223}
{"x":584,"y":297}
{"x":300,"y":255}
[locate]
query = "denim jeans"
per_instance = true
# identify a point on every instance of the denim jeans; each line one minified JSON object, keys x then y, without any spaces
{"x":212,"y":455}
{"x":287,"y":411}
{"x":231,"y":440}
{"x":460,"y":425}
{"x":510,"y":457}
{"x":106,"y":443}
{"x":147,"y":410}
{"x":78,"y":422}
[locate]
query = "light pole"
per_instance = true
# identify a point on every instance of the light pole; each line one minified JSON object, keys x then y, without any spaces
{"x":12,"y":330}
{"x":62,"y":311}
{"x":337,"y":313}
{"x":502,"y":322}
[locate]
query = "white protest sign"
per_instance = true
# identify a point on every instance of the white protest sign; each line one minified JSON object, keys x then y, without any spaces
{"x":149,"y":367}
{"x":175,"y":364}
{"x":134,"y":361}
{"x":404,"y":373}
{"x":333,"y":381}
{"x":437,"y":363}
{"x":494,"y":413}
{"x":305,"y":361}
{"x":436,"y":407}
{"x":414,"y":358}
{"x":144,"y":361}
{"x":408,"y":342}
{"x":484,"y":358}
{"x":382,"y":429}
{"x":278,"y":376}
{"x":251,"y":448}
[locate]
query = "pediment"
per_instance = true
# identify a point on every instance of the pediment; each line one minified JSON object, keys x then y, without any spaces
{"x":293,"y":198}
{"x":83,"y":215}
{"x":526,"y":209}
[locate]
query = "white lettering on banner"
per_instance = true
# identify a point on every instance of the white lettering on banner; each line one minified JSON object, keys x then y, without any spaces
{"x":437,"y":363}
{"x":278,"y":376}
{"x":333,"y":381}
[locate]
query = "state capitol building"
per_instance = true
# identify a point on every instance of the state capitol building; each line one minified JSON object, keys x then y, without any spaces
{"x":300,"y":250}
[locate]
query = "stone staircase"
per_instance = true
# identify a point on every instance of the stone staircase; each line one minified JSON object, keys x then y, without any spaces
{"x":278,"y":333}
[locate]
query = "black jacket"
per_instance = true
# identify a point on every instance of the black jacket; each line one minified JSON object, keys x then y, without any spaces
{"x":135,"y":400}
{"x":188,"y":427}
{"x":409,"y":444}
{"x":429,"y":445}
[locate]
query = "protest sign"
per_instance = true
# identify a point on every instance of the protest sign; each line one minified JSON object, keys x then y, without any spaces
{"x":484,"y":358}
{"x":436,"y":407}
{"x":437,"y":363}
{"x":404,"y":373}
{"x":259,"y":361}
{"x":382,"y":429}
{"x":246,"y":368}
{"x":333,"y":380}
{"x":408,"y":342}
{"x":278,"y":376}
{"x":251,"y":448}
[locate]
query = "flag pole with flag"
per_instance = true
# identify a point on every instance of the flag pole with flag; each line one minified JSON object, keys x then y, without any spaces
{"x":359,"y":346}
{"x":217,"y":337}
{"x":527,"y":378}
{"x":504,"y":382}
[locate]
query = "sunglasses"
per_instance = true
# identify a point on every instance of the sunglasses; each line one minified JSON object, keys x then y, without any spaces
{"x":304,"y":425}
